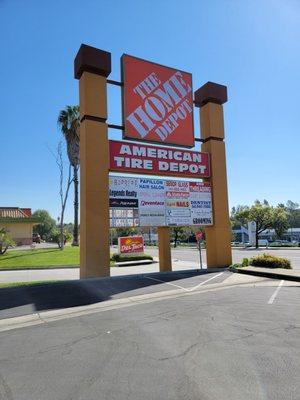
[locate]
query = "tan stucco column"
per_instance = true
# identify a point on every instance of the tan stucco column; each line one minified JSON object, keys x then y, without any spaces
{"x":164,"y":249}
{"x":92,"y":67}
{"x":210,"y":98}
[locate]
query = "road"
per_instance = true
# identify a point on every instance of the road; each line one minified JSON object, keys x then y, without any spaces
{"x":209,"y":337}
{"x":192,"y":254}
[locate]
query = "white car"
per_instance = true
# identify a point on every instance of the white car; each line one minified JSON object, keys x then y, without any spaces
{"x":263,"y":242}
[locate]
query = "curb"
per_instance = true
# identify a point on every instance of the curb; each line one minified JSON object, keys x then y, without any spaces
{"x":272,"y":275}
{"x":47,"y":267}
{"x":134,"y":263}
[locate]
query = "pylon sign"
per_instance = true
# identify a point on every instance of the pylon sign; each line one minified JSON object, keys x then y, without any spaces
{"x":157,"y":107}
{"x":157,"y":103}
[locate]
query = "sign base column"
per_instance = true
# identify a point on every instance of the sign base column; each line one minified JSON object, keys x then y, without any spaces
{"x":164,"y":249}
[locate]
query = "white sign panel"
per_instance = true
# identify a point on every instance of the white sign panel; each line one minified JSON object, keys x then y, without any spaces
{"x":151,"y":202}
{"x":157,"y":202}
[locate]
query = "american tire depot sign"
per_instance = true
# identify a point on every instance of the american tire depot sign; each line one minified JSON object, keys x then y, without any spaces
{"x":155,"y":160}
{"x":156,"y":202}
{"x":157,"y":103}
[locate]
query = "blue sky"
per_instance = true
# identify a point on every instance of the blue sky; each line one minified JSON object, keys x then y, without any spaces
{"x":252,"y":46}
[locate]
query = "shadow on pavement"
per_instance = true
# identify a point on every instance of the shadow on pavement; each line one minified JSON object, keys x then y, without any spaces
{"x":24,"y":300}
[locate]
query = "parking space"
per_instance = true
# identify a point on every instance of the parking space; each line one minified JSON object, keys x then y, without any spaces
{"x":31,"y":299}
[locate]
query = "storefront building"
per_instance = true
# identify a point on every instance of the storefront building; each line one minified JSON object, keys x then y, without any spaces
{"x":19,"y":224}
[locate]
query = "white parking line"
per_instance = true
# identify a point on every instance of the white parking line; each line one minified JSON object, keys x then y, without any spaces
{"x":181,"y":287}
{"x":272,"y":298}
{"x":167,"y":283}
{"x":207,"y":280}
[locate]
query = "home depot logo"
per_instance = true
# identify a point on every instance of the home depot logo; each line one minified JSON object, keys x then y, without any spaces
{"x":158,"y":103}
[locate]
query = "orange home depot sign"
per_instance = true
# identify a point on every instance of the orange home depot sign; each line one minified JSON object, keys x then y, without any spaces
{"x":157,"y":103}
{"x":155,"y":160}
{"x":131,"y":244}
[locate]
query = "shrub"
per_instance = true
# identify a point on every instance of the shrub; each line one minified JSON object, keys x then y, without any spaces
{"x":119,"y":258}
{"x":245,"y":262}
{"x":5,"y":241}
{"x":233,"y":267}
{"x":269,"y":261}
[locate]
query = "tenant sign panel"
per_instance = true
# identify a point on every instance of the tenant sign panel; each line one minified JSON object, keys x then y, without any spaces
{"x":157,"y":202}
{"x":157,"y":103}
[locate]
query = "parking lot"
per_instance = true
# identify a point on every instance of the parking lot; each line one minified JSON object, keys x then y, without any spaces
{"x":178,"y":336}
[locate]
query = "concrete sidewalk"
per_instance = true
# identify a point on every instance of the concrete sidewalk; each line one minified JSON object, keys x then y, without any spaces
{"x":67,"y":274}
{"x":62,"y":274}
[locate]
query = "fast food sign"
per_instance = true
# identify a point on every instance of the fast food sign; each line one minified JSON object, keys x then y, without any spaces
{"x":156,"y":160}
{"x":157,"y":103}
{"x":131,"y":244}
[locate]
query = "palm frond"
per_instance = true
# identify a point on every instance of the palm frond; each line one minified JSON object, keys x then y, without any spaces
{"x":69,"y":124}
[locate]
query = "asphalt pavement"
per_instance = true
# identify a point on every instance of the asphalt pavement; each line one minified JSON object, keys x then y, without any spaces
{"x":232,"y":337}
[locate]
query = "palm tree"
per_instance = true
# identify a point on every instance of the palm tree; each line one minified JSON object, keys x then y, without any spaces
{"x":69,"y":123}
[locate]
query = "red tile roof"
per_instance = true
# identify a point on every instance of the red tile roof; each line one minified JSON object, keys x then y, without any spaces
{"x":15,"y":212}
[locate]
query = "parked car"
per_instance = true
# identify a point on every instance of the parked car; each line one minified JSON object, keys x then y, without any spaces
{"x":263,"y":242}
{"x":36,"y":238}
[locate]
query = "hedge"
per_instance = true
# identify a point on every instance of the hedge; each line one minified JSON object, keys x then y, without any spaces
{"x":120,"y":258}
{"x":269,"y":261}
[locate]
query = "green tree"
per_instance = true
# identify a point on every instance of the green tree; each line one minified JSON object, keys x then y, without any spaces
{"x":69,"y":227}
{"x":126,"y":231}
{"x":5,"y":241}
{"x":261,"y":213}
{"x":280,"y":221}
{"x":56,"y":237}
{"x":292,"y":209}
{"x":237,"y":216}
{"x":69,"y":123}
{"x":180,"y":233}
{"x":46,"y":225}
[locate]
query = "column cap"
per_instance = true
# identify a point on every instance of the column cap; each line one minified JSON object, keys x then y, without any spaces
{"x":210,"y":92}
{"x":91,"y":59}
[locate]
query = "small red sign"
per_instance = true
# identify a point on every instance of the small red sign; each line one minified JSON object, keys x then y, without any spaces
{"x":131,"y":244}
{"x":158,"y":103}
{"x":199,"y":236}
{"x":155,"y":160}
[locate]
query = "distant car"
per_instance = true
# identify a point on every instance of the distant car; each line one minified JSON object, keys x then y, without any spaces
{"x":263,"y":242}
{"x":276,"y":243}
{"x":36,"y":238}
